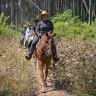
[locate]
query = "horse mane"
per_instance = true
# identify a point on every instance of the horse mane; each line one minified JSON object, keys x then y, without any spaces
{"x":41,"y":42}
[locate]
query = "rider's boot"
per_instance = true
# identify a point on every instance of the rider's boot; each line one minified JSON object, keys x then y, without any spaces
{"x":54,"y":53}
{"x":56,"y":59}
{"x":28,"y":57}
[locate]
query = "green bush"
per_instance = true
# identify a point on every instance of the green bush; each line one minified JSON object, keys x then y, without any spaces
{"x":5,"y":29}
{"x":65,"y":17}
{"x":70,"y":27}
{"x":3,"y":25}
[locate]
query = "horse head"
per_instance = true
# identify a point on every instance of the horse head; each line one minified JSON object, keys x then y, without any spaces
{"x":48,"y":43}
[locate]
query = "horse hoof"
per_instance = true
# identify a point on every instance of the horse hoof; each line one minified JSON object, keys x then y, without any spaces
{"x":45,"y":84}
{"x":43,"y":90}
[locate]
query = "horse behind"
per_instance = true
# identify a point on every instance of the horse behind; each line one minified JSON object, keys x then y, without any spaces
{"x":44,"y":56}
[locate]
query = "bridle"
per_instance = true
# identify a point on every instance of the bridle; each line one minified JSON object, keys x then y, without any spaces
{"x":44,"y":51}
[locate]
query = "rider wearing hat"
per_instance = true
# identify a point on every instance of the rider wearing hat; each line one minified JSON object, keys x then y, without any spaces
{"x":35,"y":25}
{"x":28,"y":34}
{"x":24,"y":30}
{"x":45,"y":25}
{"x":33,"y":31}
{"x":23,"y":35}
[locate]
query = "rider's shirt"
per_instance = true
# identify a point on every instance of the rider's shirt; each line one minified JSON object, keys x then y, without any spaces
{"x":34,"y":28}
{"x":28,"y":32}
{"x":44,"y":26}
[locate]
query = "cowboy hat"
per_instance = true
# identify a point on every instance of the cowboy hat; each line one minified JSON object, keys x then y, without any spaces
{"x":29,"y":24}
{"x":44,"y":13}
{"x":36,"y":20}
{"x":25,"y":25}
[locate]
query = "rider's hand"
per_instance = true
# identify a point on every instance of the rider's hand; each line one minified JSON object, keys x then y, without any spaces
{"x":34,"y":33}
{"x":39,"y":35}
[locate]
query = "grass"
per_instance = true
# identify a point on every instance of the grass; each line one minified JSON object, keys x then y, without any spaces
{"x":16,"y":77}
{"x":15,"y":72}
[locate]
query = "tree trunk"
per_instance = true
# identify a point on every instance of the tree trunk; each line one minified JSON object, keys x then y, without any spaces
{"x":12,"y":12}
{"x":90,"y":13}
{"x":0,"y":6}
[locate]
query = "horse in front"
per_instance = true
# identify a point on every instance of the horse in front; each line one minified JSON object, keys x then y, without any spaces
{"x":44,"y":56}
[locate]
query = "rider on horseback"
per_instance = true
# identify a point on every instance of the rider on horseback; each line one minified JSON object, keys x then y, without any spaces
{"x":35,"y":25}
{"x":23,"y":35}
{"x":43,"y":26}
{"x":24,"y":30}
{"x":27,"y":35}
{"x":33,"y":32}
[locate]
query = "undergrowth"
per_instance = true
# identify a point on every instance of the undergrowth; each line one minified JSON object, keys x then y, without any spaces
{"x":70,"y":27}
{"x":76,"y":70}
{"x":16,"y":74}
{"x":7,"y":30}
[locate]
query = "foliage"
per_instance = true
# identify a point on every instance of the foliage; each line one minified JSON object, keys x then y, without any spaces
{"x":71,"y":27}
{"x":16,"y":77}
{"x":65,"y":17}
{"x":76,"y":70}
{"x":5,"y":29}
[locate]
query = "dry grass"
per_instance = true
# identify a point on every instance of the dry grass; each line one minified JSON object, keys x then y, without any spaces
{"x":76,"y":72}
{"x":16,"y":74}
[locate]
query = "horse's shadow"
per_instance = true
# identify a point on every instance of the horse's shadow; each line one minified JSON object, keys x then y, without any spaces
{"x":58,"y":85}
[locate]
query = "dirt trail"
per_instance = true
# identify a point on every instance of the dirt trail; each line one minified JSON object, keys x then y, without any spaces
{"x":22,"y":72}
{"x":53,"y":89}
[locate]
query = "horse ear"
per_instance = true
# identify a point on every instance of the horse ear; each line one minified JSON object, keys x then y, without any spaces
{"x":54,"y":34}
{"x":47,"y":34}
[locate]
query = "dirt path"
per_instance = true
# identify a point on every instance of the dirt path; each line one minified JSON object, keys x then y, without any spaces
{"x":53,"y":88}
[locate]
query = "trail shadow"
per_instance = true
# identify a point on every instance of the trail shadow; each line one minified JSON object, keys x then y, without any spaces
{"x":56,"y":85}
{"x":4,"y":93}
{"x":60,"y":85}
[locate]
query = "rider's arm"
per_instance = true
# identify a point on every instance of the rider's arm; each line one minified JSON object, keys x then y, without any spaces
{"x":27,"y":32}
{"x":38,"y":29}
{"x":51,"y":27}
{"x":34,"y":30}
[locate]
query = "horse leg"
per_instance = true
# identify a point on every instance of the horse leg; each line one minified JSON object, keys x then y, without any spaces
{"x":46,"y":71}
{"x":46,"y":74}
{"x":41,"y":74}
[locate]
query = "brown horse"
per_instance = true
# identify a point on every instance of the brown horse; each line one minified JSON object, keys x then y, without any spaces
{"x":44,"y":56}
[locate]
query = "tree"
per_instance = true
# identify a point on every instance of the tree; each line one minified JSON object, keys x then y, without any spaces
{"x":13,"y":11}
{"x":23,"y":11}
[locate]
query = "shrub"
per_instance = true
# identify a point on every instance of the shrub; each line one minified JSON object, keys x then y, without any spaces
{"x":5,"y":29}
{"x":70,"y":27}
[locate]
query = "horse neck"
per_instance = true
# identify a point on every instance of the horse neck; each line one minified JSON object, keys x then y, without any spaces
{"x":41,"y":43}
